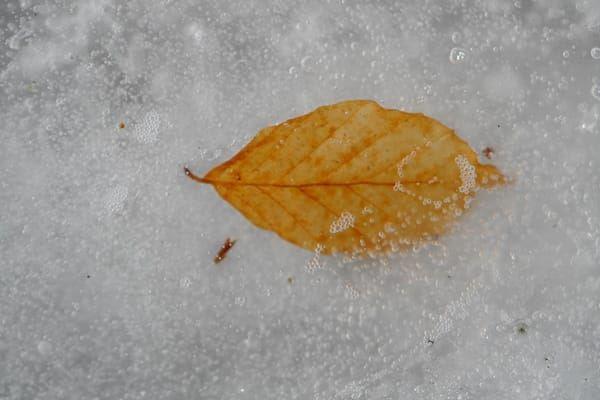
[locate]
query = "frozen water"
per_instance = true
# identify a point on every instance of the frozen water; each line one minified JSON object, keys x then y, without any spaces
{"x":108,"y":289}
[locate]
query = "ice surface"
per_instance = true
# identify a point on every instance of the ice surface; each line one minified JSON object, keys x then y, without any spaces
{"x":107,"y":286}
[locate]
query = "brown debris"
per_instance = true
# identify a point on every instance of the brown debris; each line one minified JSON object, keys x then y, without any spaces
{"x":488,"y":152}
{"x":227,"y":245}
{"x":121,"y":125}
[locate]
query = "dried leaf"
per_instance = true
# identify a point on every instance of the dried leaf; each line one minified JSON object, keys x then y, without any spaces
{"x":353,"y":177}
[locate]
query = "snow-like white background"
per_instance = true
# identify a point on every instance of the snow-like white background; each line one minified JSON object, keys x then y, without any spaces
{"x":107,"y":285}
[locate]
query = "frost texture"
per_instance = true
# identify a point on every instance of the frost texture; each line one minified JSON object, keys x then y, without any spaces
{"x":108,"y":289}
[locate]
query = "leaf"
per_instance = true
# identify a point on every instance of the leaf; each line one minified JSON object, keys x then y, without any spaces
{"x":353,"y":177}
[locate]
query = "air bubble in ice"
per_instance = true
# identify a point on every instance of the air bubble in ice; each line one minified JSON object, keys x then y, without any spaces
{"x":306,"y":62}
{"x":185,"y":283}
{"x":456,"y":37}
{"x":240,"y":301}
{"x":44,"y":347}
{"x":595,"y":91}
{"x":351,"y":291}
{"x":457,"y":55}
{"x":195,"y":31}
{"x":19,"y":39}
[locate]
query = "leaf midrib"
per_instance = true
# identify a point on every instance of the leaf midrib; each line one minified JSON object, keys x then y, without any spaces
{"x":313,"y":184}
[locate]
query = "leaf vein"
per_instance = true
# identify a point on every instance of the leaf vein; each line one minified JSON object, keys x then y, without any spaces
{"x":355,"y":155}
{"x":288,"y":212}
{"x":329,"y":136}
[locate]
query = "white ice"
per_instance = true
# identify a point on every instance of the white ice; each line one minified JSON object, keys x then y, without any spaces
{"x":108,"y":288}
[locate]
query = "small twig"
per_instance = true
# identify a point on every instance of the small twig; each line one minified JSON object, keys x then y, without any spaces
{"x":224,"y":250}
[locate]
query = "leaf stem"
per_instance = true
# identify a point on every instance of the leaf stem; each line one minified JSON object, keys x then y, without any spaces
{"x":191,"y":175}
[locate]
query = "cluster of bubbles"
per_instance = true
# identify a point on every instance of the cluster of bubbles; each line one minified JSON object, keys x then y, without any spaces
{"x":147,"y":130}
{"x":468,"y":175}
{"x":315,"y":262}
{"x":405,"y":160}
{"x":185,"y":282}
{"x":345,"y":221}
{"x":398,"y":186}
{"x":115,"y":199}
{"x":351,"y":291}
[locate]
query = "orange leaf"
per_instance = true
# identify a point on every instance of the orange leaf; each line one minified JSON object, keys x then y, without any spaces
{"x":353,"y":177}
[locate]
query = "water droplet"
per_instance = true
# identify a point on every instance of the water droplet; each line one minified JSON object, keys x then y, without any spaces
{"x":456,"y":37}
{"x":595,"y":91}
{"x":566,"y":54}
{"x":292,"y":70}
{"x":457,"y":55}
{"x":595,"y":53}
